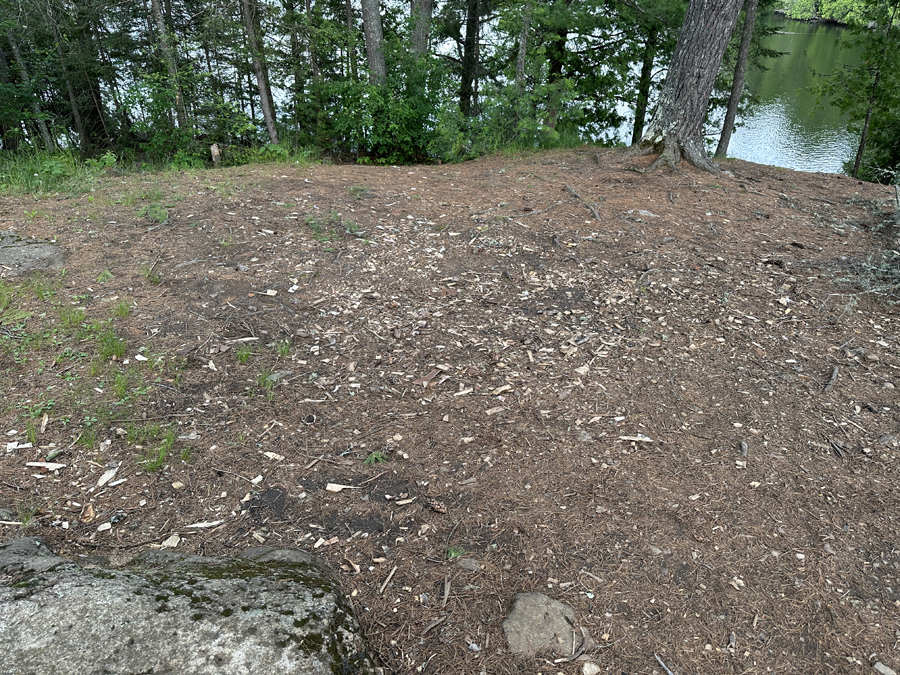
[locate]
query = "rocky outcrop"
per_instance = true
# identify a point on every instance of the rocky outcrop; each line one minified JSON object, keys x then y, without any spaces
{"x":268,"y":611}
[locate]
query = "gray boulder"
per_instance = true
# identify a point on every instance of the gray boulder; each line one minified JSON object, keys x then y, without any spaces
{"x":18,"y":254}
{"x":537,"y":623}
{"x":270,"y":611}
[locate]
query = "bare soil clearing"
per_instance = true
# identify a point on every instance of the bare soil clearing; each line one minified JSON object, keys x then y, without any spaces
{"x":680,"y":419}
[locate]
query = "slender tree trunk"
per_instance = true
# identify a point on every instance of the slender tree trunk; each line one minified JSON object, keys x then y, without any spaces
{"x":737,"y":84}
{"x":676,"y":130}
{"x":864,"y":136}
{"x":523,"y":48}
{"x":35,"y":105}
{"x":651,"y":46}
{"x":351,"y":38}
{"x":10,"y":140}
{"x":371,"y":11}
{"x":420,"y":38}
{"x":249,"y":8}
{"x":83,"y":141}
{"x":469,"y":58}
{"x":165,"y":45}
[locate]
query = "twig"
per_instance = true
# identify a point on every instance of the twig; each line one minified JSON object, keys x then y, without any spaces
{"x":583,"y":201}
{"x":436,"y":622}
{"x":369,"y":480}
{"x":387,"y":581}
{"x":665,"y":667}
{"x":831,"y":380}
{"x":534,"y":213}
{"x":446,"y":591}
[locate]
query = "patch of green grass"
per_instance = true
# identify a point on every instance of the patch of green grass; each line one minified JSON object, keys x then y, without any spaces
{"x":122,"y":310}
{"x":88,"y":436}
{"x":147,"y":271}
{"x":71,"y":317}
{"x":185,"y":455}
{"x":156,"y":458}
{"x":27,"y":513}
{"x":110,"y":345}
{"x":264,"y":379}
{"x":375,"y":458}
{"x":243,"y":354}
{"x":156,"y":213}
{"x":357,"y":191}
{"x":31,"y":432}
{"x":38,"y":173}
{"x":104,"y":276}
{"x":283,"y":348}
{"x":140,"y":435}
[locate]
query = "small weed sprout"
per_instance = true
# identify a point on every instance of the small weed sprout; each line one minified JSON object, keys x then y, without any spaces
{"x":104,"y":276}
{"x":122,"y":310}
{"x":111,"y":346}
{"x":156,"y":459}
{"x":375,"y":458}
{"x":265,"y":380}
{"x":243,"y":354}
{"x":455,"y":552}
{"x":283,"y":348}
{"x":71,"y":317}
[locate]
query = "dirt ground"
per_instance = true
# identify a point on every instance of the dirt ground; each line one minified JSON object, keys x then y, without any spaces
{"x":668,"y":400}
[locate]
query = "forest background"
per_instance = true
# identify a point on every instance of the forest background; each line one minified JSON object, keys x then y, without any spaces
{"x":88,"y":84}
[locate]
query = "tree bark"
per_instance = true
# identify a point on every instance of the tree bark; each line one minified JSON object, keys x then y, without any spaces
{"x":248,"y":8}
{"x":469,"y":58}
{"x":644,"y":83}
{"x":420,"y":37}
{"x":371,"y":11}
{"x":165,"y":45}
{"x":35,"y":105}
{"x":676,"y":130}
{"x":737,"y":84}
{"x":10,"y":140}
{"x":523,"y":48}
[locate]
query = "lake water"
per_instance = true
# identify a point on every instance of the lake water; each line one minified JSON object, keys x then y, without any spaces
{"x":786,"y":129}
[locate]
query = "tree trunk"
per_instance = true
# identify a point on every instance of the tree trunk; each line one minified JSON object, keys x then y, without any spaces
{"x":420,"y":13}
{"x":35,"y":105}
{"x":523,"y":48}
{"x":371,"y":11}
{"x":737,"y":84}
{"x":248,"y":8}
{"x":169,"y":57}
{"x":351,"y":39}
{"x":469,"y":58}
{"x":676,"y":130}
{"x":644,"y":83}
{"x":865,"y":130}
{"x":10,"y":140}
{"x":83,"y":141}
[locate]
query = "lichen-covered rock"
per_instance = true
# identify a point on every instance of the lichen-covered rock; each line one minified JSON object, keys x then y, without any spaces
{"x":18,"y":254}
{"x":537,"y":623}
{"x":269,"y":611}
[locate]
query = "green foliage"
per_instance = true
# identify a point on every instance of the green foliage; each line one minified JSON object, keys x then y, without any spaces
{"x":375,"y":458}
{"x":455,"y":552}
{"x":104,"y":276}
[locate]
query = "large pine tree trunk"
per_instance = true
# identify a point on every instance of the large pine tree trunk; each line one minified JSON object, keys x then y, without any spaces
{"x":371,"y":11}
{"x":259,"y":69}
{"x":420,"y":11}
{"x":737,"y":84}
{"x":676,"y":130}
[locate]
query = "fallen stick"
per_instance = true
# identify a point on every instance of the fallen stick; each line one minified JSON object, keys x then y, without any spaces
{"x":583,"y":201}
{"x":831,"y":380}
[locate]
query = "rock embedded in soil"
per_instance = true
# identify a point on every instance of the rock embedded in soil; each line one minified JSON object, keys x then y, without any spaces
{"x":18,"y":254}
{"x":268,"y":611}
{"x":539,"y":623}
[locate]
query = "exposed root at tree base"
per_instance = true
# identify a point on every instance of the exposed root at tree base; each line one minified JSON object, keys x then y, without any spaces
{"x":672,"y":151}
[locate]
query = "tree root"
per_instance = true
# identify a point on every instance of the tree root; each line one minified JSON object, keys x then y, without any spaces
{"x":672,"y":151}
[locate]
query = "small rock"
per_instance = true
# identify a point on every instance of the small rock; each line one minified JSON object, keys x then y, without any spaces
{"x":888,"y":440}
{"x":537,"y":623}
{"x":469,"y":564}
{"x":883,"y":669}
{"x":888,"y":385}
{"x":590,"y":668}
